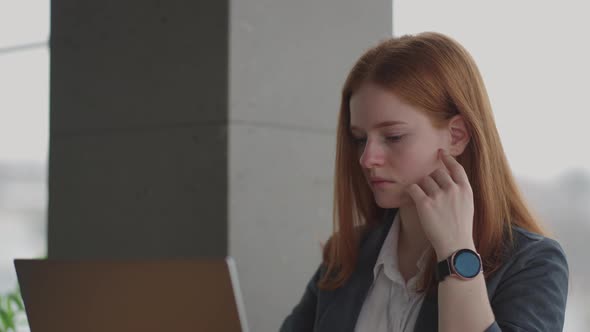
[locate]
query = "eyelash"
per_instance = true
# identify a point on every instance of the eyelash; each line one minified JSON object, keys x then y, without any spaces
{"x":393,"y":139}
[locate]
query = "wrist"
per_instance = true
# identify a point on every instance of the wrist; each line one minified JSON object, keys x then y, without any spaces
{"x":445,"y":251}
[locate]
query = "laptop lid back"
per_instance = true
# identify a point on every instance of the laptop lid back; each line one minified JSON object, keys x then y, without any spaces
{"x":155,"y":295}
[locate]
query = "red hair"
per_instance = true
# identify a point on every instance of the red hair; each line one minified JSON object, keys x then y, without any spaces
{"x":438,"y":76}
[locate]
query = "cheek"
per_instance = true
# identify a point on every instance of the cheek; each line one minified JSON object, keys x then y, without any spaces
{"x":415,"y":163}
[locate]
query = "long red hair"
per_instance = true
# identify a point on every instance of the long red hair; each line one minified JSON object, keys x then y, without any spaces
{"x":438,"y":76}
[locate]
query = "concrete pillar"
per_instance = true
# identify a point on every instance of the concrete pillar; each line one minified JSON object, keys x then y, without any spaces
{"x":191,"y":128}
{"x":288,"y":61}
{"x":138,"y":141}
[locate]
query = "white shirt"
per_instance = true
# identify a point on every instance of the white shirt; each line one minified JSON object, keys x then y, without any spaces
{"x":391,"y":305}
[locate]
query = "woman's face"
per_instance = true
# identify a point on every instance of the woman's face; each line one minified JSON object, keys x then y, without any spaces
{"x":400,"y":153}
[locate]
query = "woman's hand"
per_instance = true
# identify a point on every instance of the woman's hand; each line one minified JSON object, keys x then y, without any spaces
{"x":444,"y":201}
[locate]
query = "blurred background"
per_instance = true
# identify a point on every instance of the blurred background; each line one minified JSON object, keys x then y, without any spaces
{"x":183,"y":130}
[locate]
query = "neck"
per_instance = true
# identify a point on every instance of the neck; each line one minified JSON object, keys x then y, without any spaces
{"x":412,"y":240}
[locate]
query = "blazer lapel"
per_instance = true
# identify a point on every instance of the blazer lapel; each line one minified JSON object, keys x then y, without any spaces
{"x":347,"y":301}
{"x":427,"y":320}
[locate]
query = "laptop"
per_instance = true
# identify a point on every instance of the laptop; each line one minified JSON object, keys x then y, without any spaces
{"x":124,"y":295}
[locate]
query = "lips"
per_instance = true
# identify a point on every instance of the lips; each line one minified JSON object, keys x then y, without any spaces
{"x":378,"y":182}
{"x":378,"y":179}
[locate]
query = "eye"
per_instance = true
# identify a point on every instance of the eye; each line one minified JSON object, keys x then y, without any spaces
{"x":358,"y":141}
{"x":394,"y":138}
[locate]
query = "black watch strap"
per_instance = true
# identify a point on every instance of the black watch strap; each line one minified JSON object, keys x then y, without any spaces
{"x":442,"y":270}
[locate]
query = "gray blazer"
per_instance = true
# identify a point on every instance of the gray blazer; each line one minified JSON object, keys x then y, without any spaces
{"x":528,"y":293}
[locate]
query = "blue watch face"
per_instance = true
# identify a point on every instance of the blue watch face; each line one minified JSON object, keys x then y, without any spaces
{"x":467,"y":263}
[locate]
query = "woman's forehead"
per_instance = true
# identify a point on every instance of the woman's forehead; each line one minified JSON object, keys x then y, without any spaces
{"x":372,"y":103}
{"x":386,"y":114}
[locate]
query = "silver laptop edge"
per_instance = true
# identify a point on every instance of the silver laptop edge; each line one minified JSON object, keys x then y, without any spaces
{"x":233,"y":272}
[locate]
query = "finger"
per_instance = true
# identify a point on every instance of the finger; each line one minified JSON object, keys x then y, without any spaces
{"x":416,"y":193}
{"x":429,"y":186}
{"x":456,"y":170}
{"x":442,"y":178}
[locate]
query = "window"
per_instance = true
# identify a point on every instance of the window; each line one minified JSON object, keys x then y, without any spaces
{"x":534,"y":63}
{"x":24,"y":134}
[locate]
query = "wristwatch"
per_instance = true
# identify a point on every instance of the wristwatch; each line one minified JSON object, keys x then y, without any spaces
{"x":464,"y":264}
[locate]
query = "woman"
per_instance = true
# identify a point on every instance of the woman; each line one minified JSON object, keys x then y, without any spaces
{"x":431,"y":232}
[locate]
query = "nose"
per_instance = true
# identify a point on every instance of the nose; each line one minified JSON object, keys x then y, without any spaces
{"x":372,"y":155}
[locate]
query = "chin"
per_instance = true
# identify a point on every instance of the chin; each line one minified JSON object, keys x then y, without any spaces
{"x":392,"y":202}
{"x":388,"y":203}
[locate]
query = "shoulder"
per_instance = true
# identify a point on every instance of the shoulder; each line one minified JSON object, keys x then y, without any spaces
{"x":529,"y":245}
{"x":361,"y":232}
{"x":531,"y":252}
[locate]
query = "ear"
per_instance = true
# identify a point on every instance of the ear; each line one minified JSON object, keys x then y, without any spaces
{"x":459,"y":135}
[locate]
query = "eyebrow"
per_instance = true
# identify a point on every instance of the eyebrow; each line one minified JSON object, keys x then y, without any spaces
{"x":381,"y":124}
